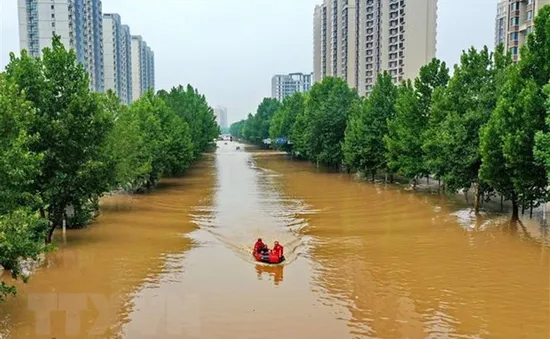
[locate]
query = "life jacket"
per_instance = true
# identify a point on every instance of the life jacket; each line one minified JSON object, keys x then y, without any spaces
{"x":258,"y":246}
{"x":278,"y":250}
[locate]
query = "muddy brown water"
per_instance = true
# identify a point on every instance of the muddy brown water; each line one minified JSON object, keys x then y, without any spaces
{"x":363,"y":261}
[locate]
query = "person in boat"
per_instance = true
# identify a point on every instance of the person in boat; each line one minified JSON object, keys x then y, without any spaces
{"x":260,"y":247}
{"x":277,"y":250}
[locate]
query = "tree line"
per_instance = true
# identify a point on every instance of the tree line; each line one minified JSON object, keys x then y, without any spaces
{"x":485,"y":127}
{"x":62,"y":147}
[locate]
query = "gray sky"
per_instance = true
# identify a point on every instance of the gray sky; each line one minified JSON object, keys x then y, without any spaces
{"x":229,"y":49}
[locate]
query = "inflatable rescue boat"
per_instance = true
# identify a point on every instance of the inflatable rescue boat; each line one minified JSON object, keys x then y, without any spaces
{"x":267,"y":258}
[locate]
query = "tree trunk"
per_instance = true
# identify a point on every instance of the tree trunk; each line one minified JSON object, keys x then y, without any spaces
{"x":373,"y":173}
{"x":466,"y":196}
{"x":50,"y":234}
{"x":414,"y":183}
{"x":531,"y":210}
{"x":391,"y":178}
{"x":502,"y":204}
{"x":477,"y":198}
{"x":428,"y":179}
{"x":522,"y":209}
{"x":56,"y":219}
{"x":439,"y":185}
{"x":386,"y":177}
{"x":515,"y":210}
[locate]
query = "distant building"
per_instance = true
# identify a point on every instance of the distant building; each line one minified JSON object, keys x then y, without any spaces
{"x":357,"y":40}
{"x":79,"y":24}
{"x":143,"y":69}
{"x":515,"y":21}
{"x":117,"y":57}
{"x":501,"y":24}
{"x":221,"y":116}
{"x":283,"y":85}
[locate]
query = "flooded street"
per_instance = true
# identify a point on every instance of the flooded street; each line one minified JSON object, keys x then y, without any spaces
{"x":363,"y":261}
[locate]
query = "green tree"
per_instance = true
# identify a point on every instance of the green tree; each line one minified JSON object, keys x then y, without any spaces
{"x":265,"y":112}
{"x":508,"y":141}
{"x":236,"y":129}
{"x":460,"y":111}
{"x":431,"y":76}
{"x":71,"y":125}
{"x":146,"y":111}
{"x":194,"y":109}
{"x":364,"y":147}
{"x":542,"y":139}
{"x":407,"y":131}
{"x":327,"y":110}
{"x":22,"y":232}
{"x":126,"y":144}
{"x":285,"y":117}
{"x":300,"y":132}
{"x":404,"y":139}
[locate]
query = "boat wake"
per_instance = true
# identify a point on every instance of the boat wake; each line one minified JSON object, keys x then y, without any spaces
{"x":248,"y":204}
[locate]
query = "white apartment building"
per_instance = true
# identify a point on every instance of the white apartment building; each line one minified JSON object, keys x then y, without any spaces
{"x":501,"y":26}
{"x":221,"y":116}
{"x":515,"y":21}
{"x":77,"y":22}
{"x":117,"y":57}
{"x":283,"y":85}
{"x":143,"y":68}
{"x":126,"y":64}
{"x":357,"y":39}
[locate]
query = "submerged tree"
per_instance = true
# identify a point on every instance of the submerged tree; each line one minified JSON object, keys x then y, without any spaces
{"x":459,"y":112}
{"x":192,"y":106}
{"x":22,"y":232}
{"x":71,"y":125}
{"x":508,"y":141}
{"x":327,"y":111}
{"x":364,"y":147}
{"x":404,"y":139}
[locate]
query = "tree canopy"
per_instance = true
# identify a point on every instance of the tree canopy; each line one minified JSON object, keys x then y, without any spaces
{"x":63,"y":146}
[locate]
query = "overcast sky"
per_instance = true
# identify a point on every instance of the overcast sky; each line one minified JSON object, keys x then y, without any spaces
{"x":229,"y":49}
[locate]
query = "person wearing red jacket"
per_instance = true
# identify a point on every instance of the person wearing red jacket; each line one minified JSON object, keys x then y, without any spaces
{"x":259,"y":246}
{"x":277,"y":249}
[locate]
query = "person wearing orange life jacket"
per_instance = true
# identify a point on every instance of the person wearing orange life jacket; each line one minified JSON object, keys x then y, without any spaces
{"x":259,"y":246}
{"x":277,"y":250}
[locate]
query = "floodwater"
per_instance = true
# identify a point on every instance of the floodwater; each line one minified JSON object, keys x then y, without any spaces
{"x":363,"y":261}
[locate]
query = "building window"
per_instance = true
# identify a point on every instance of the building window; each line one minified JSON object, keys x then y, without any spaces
{"x":514,"y":36}
{"x":529,"y":15}
{"x":514,"y":50}
{"x":514,"y":21}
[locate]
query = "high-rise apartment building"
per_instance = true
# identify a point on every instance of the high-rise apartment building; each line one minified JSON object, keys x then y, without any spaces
{"x":117,"y":57}
{"x":501,"y":22}
{"x":283,"y":85}
{"x":143,"y":68}
{"x":126,"y":68}
{"x":357,"y":39}
{"x":221,"y":116}
{"x":77,"y":22}
{"x":514,"y":22}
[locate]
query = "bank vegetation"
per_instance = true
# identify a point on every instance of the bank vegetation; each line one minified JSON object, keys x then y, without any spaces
{"x":62,"y":147}
{"x":485,"y":127}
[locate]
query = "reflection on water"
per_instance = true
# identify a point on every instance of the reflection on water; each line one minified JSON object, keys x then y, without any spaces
{"x":275,"y":272}
{"x":364,"y":261}
{"x":97,"y":275}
